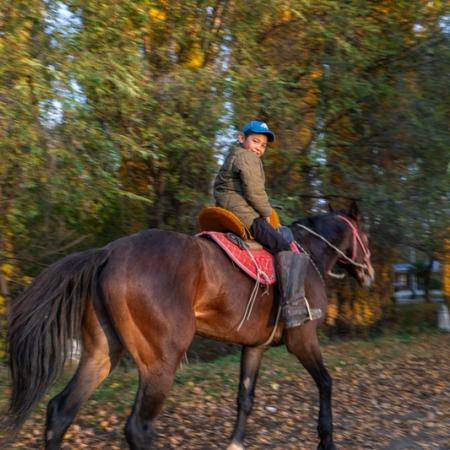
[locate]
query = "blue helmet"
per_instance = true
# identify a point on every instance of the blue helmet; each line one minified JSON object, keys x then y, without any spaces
{"x":255,"y":126}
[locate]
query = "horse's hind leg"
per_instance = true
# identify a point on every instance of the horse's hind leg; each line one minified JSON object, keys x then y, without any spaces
{"x":250,"y":363}
{"x":157,"y":351}
{"x":303,"y":342}
{"x":155,"y":382}
{"x":101,"y":352}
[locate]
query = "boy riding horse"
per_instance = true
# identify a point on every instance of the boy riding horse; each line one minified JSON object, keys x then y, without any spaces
{"x":240,"y":188}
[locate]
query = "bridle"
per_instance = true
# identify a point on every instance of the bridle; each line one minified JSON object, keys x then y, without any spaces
{"x":356,"y":240}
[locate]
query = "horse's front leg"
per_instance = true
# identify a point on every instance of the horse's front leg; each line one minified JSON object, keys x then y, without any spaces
{"x":303,"y":342}
{"x":250,"y":363}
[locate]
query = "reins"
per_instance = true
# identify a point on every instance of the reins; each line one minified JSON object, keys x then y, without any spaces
{"x":356,"y":238}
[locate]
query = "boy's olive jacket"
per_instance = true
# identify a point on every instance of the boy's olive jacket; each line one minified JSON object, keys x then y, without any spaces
{"x":240,"y":186}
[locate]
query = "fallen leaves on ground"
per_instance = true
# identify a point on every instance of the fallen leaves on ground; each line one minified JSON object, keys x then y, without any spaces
{"x":388,"y":394}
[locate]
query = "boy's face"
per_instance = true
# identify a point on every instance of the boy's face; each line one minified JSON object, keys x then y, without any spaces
{"x":254,"y":142}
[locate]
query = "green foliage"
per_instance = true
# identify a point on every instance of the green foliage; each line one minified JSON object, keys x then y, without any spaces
{"x":110,"y":113}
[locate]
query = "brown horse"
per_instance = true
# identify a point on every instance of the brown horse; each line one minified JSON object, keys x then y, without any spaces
{"x":149,"y":293}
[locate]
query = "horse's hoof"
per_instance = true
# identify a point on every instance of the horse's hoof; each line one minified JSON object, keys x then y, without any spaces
{"x":321,"y":447}
{"x":235,"y":446}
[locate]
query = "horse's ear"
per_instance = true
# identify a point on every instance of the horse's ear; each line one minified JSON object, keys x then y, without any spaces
{"x":330,"y":208}
{"x":354,"y":211}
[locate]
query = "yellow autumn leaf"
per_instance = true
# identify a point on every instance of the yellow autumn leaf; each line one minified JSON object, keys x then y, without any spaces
{"x":286,"y":15}
{"x":316,"y":73}
{"x":7,"y":269}
{"x":157,"y":14}
{"x":23,"y":35}
{"x":195,"y":59}
{"x":26,"y":279}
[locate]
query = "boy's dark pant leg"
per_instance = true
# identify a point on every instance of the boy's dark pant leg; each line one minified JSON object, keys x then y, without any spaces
{"x":291,"y":270}
{"x":265,"y":234}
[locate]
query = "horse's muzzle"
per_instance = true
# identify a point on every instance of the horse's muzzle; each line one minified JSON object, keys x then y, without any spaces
{"x":367,"y":275}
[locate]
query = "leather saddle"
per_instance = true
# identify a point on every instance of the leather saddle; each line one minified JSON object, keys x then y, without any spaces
{"x":214,"y":218}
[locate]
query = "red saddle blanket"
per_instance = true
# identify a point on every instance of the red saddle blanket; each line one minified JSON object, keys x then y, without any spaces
{"x":257,"y":263}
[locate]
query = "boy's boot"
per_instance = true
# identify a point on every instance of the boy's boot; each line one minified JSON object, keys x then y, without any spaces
{"x":291,"y":270}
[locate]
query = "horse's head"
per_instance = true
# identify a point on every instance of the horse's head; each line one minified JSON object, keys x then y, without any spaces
{"x":338,"y":238}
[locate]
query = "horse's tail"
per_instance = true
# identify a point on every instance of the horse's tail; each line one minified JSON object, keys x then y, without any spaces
{"x":43,"y":321}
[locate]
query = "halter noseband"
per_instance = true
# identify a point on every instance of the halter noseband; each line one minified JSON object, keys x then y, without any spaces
{"x":356,"y":240}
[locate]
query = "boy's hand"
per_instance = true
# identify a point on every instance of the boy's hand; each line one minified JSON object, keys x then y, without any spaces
{"x":268,"y":220}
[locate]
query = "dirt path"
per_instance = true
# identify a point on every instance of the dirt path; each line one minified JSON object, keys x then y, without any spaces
{"x":391,"y":395}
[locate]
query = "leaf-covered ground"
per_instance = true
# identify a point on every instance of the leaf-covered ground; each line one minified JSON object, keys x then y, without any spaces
{"x":391,"y":393}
